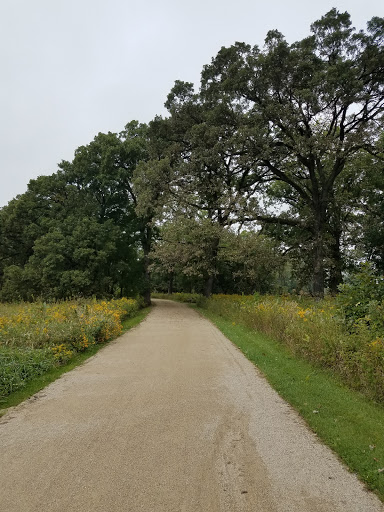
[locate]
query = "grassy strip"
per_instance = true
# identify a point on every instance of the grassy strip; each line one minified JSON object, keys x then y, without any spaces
{"x":36,"y":338}
{"x":40,"y":382}
{"x":346,"y":421}
{"x":316,"y":332}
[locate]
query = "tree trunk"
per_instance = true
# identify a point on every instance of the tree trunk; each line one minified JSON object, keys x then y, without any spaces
{"x":335,"y":273}
{"x":208,"y":286}
{"x":318,"y":276}
{"x":335,"y":256}
{"x":170,"y":283}
{"x":146,"y":243}
{"x":318,"y":271}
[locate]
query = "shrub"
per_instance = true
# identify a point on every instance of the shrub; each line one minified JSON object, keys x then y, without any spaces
{"x":362,"y":299}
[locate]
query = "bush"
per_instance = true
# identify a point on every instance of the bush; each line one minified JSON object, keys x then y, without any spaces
{"x":362,"y":299}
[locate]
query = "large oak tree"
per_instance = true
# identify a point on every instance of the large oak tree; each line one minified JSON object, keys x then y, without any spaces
{"x":308,"y":108}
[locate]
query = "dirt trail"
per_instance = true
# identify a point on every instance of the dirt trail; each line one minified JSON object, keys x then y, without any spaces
{"x":169,"y":418}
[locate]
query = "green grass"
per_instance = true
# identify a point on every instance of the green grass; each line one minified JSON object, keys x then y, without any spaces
{"x":40,"y":382}
{"x":346,"y":421}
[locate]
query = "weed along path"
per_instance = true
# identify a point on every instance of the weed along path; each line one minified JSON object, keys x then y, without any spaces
{"x":169,"y":418}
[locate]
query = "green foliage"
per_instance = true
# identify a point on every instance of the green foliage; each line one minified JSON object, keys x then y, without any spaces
{"x":72,"y":259}
{"x":16,"y":285}
{"x":190,"y":245}
{"x":76,"y":233}
{"x":17,"y":366}
{"x":199,"y":248}
{"x":249,"y":261}
{"x":151,"y":180}
{"x":368,"y":232}
{"x":362,"y":299}
{"x":307,"y":109}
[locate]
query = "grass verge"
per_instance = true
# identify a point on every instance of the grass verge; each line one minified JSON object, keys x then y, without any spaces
{"x":40,"y":382}
{"x":346,"y":421}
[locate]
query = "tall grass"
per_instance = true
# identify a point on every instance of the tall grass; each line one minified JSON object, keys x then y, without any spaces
{"x":315,"y":331}
{"x":349,"y":423}
{"x":35,"y":338}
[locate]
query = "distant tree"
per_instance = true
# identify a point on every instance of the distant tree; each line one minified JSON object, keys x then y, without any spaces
{"x":205,"y":175}
{"x":25,"y":218}
{"x":75,"y":258}
{"x":368,"y":229}
{"x":245,"y":262}
{"x":251,"y":262}
{"x":77,"y":232}
{"x":150,"y":182}
{"x":189,"y":246}
{"x":103,"y":172}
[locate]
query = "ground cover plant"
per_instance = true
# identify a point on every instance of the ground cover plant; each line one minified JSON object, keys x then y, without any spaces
{"x":317,"y":331}
{"x":37,"y":337}
{"x":345,"y":420}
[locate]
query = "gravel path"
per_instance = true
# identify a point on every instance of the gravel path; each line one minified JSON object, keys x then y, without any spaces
{"x":170,"y":417}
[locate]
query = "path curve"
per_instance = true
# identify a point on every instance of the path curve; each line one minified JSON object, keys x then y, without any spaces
{"x":170,"y":417}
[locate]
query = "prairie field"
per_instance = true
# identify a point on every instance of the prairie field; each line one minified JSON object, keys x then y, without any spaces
{"x":36,"y":337}
{"x":317,"y":331}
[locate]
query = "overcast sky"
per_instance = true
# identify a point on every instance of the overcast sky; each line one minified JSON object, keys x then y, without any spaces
{"x":73,"y":68}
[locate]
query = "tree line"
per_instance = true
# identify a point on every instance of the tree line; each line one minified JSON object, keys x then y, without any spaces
{"x":270,"y":176}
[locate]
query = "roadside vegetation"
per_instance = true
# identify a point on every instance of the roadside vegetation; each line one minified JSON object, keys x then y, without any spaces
{"x":315,"y":331}
{"x":261,"y":190}
{"x":343,"y":335}
{"x":345,"y":420}
{"x":38,"y":338}
{"x":326,"y":358}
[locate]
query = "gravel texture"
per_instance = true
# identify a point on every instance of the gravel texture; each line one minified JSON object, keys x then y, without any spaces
{"x":170,"y":417}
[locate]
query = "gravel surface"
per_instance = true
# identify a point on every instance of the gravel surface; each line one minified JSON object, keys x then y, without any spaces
{"x":170,"y":417}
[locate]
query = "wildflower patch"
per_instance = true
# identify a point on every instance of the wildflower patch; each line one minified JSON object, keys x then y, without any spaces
{"x":35,"y":337}
{"x":315,"y":331}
